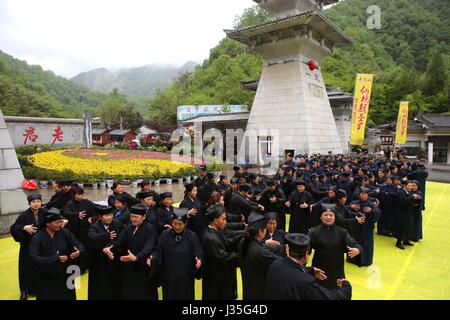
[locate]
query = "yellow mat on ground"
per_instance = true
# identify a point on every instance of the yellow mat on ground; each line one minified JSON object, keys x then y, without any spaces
{"x":419,"y":272}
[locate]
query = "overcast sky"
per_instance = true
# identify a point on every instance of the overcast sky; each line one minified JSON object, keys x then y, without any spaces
{"x":72,"y":36}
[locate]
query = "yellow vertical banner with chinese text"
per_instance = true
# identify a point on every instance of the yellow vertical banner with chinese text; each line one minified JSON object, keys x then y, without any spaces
{"x":402,"y":123}
{"x":361,"y":102}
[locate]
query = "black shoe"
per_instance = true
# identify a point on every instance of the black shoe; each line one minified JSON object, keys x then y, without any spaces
{"x":399,"y":245}
{"x":407,"y":243}
{"x":415,"y":240}
{"x":23,"y":295}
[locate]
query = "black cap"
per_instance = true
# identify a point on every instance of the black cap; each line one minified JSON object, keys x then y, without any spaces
{"x":298,"y":243}
{"x":271,"y":182}
{"x":300,"y":183}
{"x":189,"y":187}
{"x":341,"y":194}
{"x":180,"y":214}
{"x":234,"y":180}
{"x":210,"y":175}
{"x":257,"y":221}
{"x":328,"y":207}
{"x":142,"y":195}
{"x":364,"y":190}
{"x":271,"y":215}
{"x":244,"y":188}
{"x":139,"y":209}
{"x":346,"y":174}
{"x":145,"y":183}
{"x":222,"y":177}
{"x":33,"y":197}
{"x":214,"y":211}
{"x":65,"y":182}
{"x":105,"y":210}
{"x":53,"y":211}
{"x":203,"y":168}
{"x":52,"y":217}
{"x":165,"y":195}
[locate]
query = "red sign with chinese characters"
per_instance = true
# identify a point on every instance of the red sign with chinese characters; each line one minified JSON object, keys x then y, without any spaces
{"x":30,"y":135}
{"x":58,"y":135}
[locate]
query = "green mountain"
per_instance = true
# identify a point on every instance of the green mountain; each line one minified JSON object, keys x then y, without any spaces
{"x":409,"y":56}
{"x":28,"y":90}
{"x":138,"y":82}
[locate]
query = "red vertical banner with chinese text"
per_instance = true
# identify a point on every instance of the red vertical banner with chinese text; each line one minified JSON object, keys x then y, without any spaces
{"x":402,"y":123}
{"x":361,"y":102}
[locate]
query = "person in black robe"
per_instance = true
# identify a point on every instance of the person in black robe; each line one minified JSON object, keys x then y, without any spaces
{"x":53,"y":251}
{"x":196,"y":221}
{"x":220,"y":263}
{"x":274,"y":238}
{"x":241,"y":205}
{"x":417,"y":215}
{"x":345,"y":183}
{"x":256,"y":188}
{"x":26,"y":226}
{"x":255,"y":258}
{"x":230,"y":192}
{"x":223,"y":184}
{"x":121,"y":212}
{"x":146,"y":186}
{"x":370,"y":213}
{"x":299,"y":203}
{"x":105,"y":275}
{"x":60,"y":198}
{"x":179,"y":257}
{"x":134,"y":246}
{"x":314,"y":188}
{"x":118,"y":189}
{"x":318,"y":207}
{"x":165,"y":211}
{"x":149,"y":199}
{"x":289,"y":163}
{"x":388,"y":206}
{"x":201,"y":180}
{"x":419,"y":174}
{"x":81,"y":213}
{"x":208,"y":188}
{"x":273,"y":199}
{"x":330,"y":242}
{"x":237,"y":172}
{"x":404,"y":228}
{"x":345,"y":217}
{"x":289,"y":279}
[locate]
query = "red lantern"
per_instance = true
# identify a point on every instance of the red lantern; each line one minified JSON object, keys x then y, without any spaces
{"x":313,"y":65}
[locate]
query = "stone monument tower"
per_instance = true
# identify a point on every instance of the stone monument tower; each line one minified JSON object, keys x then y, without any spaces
{"x":13,"y":199}
{"x":291,"y":96}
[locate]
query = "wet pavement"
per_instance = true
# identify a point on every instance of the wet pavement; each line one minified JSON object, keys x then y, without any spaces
{"x":437,"y":173}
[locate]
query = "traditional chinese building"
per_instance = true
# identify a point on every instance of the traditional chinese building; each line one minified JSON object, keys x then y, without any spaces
{"x":51,"y":131}
{"x":122,"y":136}
{"x":100,"y":137}
{"x":429,"y":132}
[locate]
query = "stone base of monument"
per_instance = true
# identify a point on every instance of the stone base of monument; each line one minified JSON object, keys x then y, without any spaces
{"x":13,"y":200}
{"x":12,"y":203}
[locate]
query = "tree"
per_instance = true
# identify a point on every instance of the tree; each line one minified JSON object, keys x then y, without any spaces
{"x":117,"y":113}
{"x":436,"y":76}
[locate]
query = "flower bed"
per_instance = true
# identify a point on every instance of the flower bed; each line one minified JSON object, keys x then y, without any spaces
{"x":89,"y":166}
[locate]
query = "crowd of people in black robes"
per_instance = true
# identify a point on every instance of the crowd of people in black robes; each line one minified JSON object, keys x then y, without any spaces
{"x":139,"y":243}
